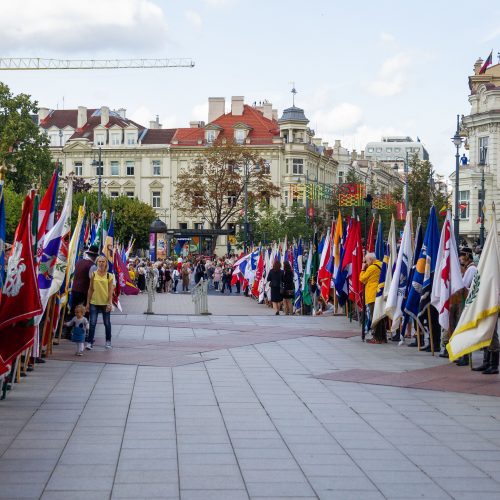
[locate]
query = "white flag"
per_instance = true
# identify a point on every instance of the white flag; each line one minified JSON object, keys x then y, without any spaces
{"x":401,"y":275}
{"x":447,"y":275}
{"x":479,"y":317}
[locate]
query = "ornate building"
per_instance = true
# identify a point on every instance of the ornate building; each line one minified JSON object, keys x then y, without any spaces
{"x":482,"y":130}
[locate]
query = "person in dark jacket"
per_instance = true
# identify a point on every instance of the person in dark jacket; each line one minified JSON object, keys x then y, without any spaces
{"x":288,"y":288}
{"x":274,"y":277}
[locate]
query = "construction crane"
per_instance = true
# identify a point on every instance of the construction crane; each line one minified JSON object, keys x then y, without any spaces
{"x":38,"y":63}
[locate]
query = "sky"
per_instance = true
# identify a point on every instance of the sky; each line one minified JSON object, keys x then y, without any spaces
{"x":361,"y":69}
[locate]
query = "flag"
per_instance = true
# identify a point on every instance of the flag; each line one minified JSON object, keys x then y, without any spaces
{"x":258,"y":276}
{"x":300,"y":254}
{"x":370,"y":243}
{"x":355,"y":285}
{"x":342,"y":278}
{"x":20,"y":296}
{"x":53,"y":259}
{"x":46,"y":211}
{"x":443,"y":211}
{"x":488,"y":62}
{"x":118,"y":283}
{"x":323,"y":275}
{"x":400,"y":210}
{"x":479,"y":317}
{"x":127,"y":287}
{"x":337,"y":240}
{"x":109,"y":243}
{"x":379,"y":243}
{"x":2,"y":236}
{"x":13,"y":341}
{"x":297,"y":303}
{"x":385,"y":280}
{"x":400,"y":277}
{"x":306,"y":293}
{"x":448,"y":278}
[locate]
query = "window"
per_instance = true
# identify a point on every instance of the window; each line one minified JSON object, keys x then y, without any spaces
{"x":463,"y":204}
{"x":115,"y":167}
{"x":210,"y":136}
{"x":370,"y":150}
{"x":198,"y":225}
{"x":286,"y":166}
{"x":378,"y":150}
{"x":116,"y":139}
{"x":483,"y":150}
{"x":99,"y":169}
{"x":100,"y":139}
{"x":130,"y":194}
{"x":130,"y":168}
{"x":231,"y":227}
{"x":231,"y":199}
{"x":78,"y":167}
{"x":239,"y":136}
{"x":197,"y":199}
{"x":114,"y":194}
{"x":183,"y":225}
{"x":156,"y":199}
{"x":480,"y":202}
{"x":131,"y":139}
{"x":54,"y":140}
{"x":388,"y":150}
{"x":397,"y":150}
{"x":341,"y":177}
{"x":408,"y":150}
{"x":298,"y":166}
{"x":156,"y":167}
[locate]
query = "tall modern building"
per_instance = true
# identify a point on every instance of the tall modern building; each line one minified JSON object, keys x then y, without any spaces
{"x":395,"y":149}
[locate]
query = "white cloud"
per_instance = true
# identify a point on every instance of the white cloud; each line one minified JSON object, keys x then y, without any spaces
{"x":343,"y":117}
{"x":387,"y":37}
{"x":63,"y":26}
{"x":217,"y":3}
{"x":391,"y":76}
{"x":143,"y":115}
{"x":199,"y":113}
{"x":194,"y":18}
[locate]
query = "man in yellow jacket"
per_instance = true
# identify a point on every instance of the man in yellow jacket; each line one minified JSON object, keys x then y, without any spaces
{"x":369,"y":276}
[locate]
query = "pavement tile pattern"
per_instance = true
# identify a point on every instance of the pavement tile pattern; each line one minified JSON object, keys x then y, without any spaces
{"x":244,"y":419}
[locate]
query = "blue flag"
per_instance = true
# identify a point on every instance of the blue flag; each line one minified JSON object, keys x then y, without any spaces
{"x":297,"y":303}
{"x":379,"y":242}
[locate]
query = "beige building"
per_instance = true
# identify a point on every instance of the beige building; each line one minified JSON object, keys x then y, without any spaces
{"x":481,"y":129}
{"x":144,"y":162}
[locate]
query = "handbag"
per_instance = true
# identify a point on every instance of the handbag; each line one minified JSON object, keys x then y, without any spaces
{"x":78,"y":334}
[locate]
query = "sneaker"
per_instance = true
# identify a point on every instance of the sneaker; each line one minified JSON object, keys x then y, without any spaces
{"x":108,"y":345}
{"x":88,"y":346}
{"x":79,"y":353}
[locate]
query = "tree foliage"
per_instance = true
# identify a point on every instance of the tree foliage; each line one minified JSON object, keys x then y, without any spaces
{"x":13,"y":208}
{"x":23,"y":148}
{"x":213,"y":187}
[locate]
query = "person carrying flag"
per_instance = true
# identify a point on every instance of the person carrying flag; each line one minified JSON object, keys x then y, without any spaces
{"x":369,"y":276}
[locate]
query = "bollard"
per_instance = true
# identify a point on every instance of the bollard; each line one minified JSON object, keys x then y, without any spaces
{"x":151,"y":290}
{"x":199,"y":296}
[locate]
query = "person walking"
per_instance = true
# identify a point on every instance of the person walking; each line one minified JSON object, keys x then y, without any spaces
{"x":369,"y":276}
{"x":185,"y":275}
{"x":81,"y":279}
{"x":80,"y":328}
{"x":227,"y":276}
{"x":175,"y":277}
{"x":100,"y":299}
{"x":288,"y":288}
{"x":275,"y":278}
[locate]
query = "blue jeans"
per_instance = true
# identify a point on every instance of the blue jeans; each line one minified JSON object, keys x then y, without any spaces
{"x":106,"y":319}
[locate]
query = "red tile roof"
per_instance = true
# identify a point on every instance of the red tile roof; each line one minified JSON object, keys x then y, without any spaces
{"x":159,"y":136}
{"x":263,"y":130}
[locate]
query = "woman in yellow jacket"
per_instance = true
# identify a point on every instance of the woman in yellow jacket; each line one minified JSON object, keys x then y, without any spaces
{"x":369,"y":276}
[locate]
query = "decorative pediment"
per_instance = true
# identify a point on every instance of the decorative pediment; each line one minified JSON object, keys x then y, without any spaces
{"x":156,"y":184}
{"x":129,"y":183}
{"x":77,"y":145}
{"x":131,"y":126}
{"x":113,"y":184}
{"x":115,"y":126}
{"x":241,"y":125}
{"x":213,"y":126}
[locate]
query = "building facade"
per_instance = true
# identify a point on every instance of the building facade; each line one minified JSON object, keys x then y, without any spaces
{"x":144,"y":162}
{"x":481,"y":128}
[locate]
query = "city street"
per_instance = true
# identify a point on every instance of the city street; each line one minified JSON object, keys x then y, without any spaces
{"x":236,"y":406}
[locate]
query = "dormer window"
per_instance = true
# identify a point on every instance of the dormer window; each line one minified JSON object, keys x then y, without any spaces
{"x":116,"y":138}
{"x":100,"y":139}
{"x":239,"y":136}
{"x":210,"y":136}
{"x":131,"y":138}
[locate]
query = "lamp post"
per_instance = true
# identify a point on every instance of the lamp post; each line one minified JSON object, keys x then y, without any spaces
{"x":405,"y":169}
{"x":98,"y":165}
{"x":457,"y":141}
{"x":481,"y":207}
{"x":245,"y":173}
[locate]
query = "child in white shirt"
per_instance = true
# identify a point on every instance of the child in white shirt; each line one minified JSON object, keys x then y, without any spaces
{"x":80,"y":328}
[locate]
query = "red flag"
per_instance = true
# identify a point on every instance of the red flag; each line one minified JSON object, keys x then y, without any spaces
{"x":258,"y":276}
{"x":400,"y":211}
{"x":13,"y":341}
{"x":123,"y":281}
{"x":355,"y":286}
{"x":21,"y":298}
{"x":488,"y":62}
{"x":370,"y":244}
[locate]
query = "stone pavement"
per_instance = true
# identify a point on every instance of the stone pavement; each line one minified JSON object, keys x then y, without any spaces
{"x":237,"y":407}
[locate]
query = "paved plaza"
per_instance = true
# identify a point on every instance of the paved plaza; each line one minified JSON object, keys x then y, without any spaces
{"x":243,"y":404}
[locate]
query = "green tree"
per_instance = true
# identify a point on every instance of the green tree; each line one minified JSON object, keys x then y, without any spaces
{"x":213,"y":187}
{"x":13,"y":209}
{"x":23,"y":148}
{"x":422,"y":192}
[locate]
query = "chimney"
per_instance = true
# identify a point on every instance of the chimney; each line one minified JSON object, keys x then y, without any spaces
{"x":82,"y":117}
{"x":275,"y":115}
{"x":196,"y":124}
{"x":325,"y":145}
{"x":354,"y":154}
{"x":43,"y":113}
{"x":362,"y":155}
{"x":316,"y":141}
{"x":122,"y":112}
{"x":268,"y":110}
{"x":477,"y":66}
{"x":153,"y":125}
{"x":216,"y":108}
{"x":337,"y":144}
{"x":104,"y":115}
{"x":237,"y":105}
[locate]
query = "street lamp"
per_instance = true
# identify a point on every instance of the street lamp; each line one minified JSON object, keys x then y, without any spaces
{"x":457,"y":141}
{"x":60,"y":138}
{"x":406,"y":168}
{"x":98,"y":165}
